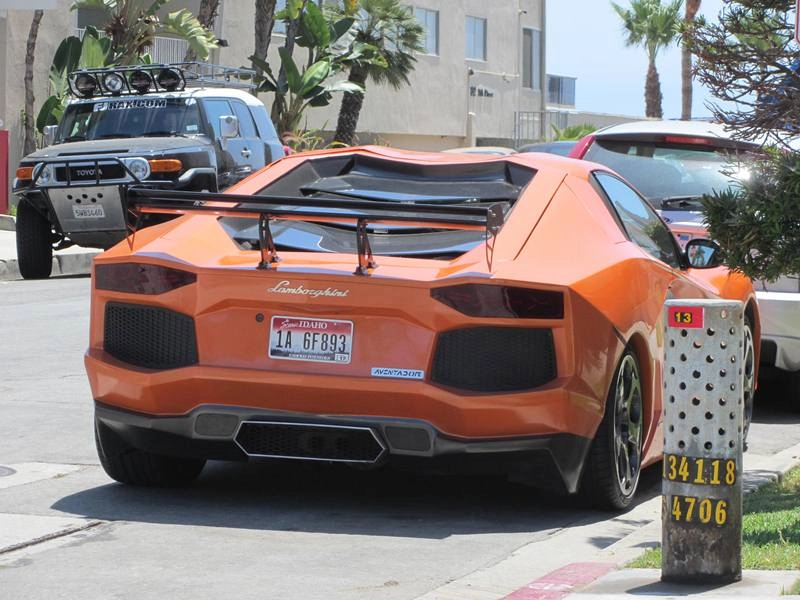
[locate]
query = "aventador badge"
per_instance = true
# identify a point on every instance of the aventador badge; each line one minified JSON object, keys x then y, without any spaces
{"x":398,"y":373}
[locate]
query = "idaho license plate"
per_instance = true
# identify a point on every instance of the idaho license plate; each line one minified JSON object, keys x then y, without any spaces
{"x":317,"y":340}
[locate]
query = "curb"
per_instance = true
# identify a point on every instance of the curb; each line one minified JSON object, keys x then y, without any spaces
{"x":7,"y":223}
{"x":63,"y":264}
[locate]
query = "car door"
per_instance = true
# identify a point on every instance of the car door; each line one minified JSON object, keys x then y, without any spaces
{"x":238,"y":154}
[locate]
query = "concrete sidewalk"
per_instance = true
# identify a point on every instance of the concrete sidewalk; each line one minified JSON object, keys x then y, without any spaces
{"x":70,"y":261}
{"x":588,"y":562}
{"x":581,"y":563}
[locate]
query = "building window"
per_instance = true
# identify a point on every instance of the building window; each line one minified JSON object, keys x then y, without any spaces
{"x":560,"y":90}
{"x":532,"y":59}
{"x":429,"y":19}
{"x":476,"y":38}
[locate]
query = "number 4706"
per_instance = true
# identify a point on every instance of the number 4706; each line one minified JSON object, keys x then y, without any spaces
{"x":708,"y":511}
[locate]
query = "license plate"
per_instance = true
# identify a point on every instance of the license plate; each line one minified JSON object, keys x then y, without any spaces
{"x":94,"y":211}
{"x":317,"y":340}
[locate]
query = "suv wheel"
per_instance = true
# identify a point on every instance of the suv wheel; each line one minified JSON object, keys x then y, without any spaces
{"x":34,"y":243}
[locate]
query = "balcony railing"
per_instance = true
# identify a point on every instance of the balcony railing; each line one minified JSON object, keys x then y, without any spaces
{"x":164,"y":50}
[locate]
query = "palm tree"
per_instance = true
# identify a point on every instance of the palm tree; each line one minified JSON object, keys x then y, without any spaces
{"x":265,"y":21}
{"x":394,"y":33}
{"x":692,"y":6}
{"x":652,"y":25}
{"x":29,"y":143}
{"x":133,"y":26}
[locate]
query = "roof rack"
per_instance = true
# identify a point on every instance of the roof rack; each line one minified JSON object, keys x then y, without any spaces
{"x":199,"y":74}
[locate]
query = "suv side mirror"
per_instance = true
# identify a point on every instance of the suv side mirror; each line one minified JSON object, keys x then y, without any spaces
{"x":702,"y":254}
{"x":228,"y":127}
{"x":49,"y":134}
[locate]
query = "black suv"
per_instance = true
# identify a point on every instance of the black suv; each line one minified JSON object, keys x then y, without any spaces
{"x":186,"y":126}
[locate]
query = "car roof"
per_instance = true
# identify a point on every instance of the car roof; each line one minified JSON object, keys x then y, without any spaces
{"x":696,"y":128}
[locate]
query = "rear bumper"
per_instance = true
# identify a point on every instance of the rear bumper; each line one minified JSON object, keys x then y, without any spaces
{"x":219,"y":432}
{"x":780,"y":329}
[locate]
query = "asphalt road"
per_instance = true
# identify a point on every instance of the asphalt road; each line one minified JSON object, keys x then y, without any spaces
{"x":284,"y":531}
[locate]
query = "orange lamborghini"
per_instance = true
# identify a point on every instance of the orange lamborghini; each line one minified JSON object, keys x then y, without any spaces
{"x":373,"y":306}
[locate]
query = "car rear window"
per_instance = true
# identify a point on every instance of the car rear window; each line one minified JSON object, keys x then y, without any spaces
{"x":661,"y":170}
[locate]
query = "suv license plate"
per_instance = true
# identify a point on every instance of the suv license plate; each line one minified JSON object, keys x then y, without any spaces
{"x":94,"y":211}
{"x":316,"y":340}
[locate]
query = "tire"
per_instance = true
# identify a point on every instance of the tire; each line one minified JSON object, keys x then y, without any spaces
{"x":749,"y":379}
{"x":34,"y":243}
{"x":133,"y":466}
{"x":613,"y":465}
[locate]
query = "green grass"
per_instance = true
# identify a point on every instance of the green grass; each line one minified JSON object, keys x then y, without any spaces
{"x":770,"y":529}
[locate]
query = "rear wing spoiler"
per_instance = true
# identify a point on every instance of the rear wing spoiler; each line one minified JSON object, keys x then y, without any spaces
{"x":139,"y":201}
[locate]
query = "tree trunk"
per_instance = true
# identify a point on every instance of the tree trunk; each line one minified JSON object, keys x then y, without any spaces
{"x":265,"y":21}
{"x":350,"y":110}
{"x":279,"y":105}
{"x":206,"y":14}
{"x":652,"y":92}
{"x":29,"y":142}
{"x":692,"y":6}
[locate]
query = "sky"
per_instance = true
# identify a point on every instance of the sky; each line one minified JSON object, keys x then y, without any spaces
{"x":585,"y":39}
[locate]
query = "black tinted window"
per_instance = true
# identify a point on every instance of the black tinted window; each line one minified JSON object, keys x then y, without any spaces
{"x":130,"y":117}
{"x":216,"y":108}
{"x":641,"y":223}
{"x":663,"y":170}
{"x":246,"y":126}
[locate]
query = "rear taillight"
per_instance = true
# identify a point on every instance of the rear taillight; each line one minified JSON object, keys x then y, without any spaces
{"x":476,"y":300}
{"x":580,"y":149}
{"x":140,"y":278}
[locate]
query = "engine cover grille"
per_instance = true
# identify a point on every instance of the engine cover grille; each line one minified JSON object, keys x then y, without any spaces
{"x":149,"y":337}
{"x":494,"y":359}
{"x":309,"y":441}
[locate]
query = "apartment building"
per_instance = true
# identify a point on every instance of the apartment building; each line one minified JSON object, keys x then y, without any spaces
{"x":481,"y":78}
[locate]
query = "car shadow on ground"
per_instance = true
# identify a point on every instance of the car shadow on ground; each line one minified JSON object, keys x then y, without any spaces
{"x":339,"y":500}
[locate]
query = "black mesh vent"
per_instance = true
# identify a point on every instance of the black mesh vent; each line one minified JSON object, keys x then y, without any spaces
{"x":145,"y":336}
{"x":309,"y":441}
{"x":494,"y":359}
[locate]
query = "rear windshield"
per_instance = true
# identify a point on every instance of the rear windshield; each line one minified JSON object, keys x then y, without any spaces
{"x":130,"y":117}
{"x":394,"y":184}
{"x":661,"y":171}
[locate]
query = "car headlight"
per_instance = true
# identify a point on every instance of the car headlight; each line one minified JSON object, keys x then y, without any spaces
{"x":44,"y":174}
{"x":138,"y":167}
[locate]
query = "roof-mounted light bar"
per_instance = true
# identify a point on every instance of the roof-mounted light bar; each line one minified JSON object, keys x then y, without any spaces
{"x":142,"y":79}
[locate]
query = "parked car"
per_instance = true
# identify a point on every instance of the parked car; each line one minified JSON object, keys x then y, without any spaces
{"x":560,"y":147}
{"x":673,"y":163}
{"x":372,"y":306}
{"x":185,"y":126}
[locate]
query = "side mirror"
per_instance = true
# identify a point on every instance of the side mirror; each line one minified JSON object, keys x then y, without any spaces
{"x":228,"y":127}
{"x":49,"y":134}
{"x":702,"y":254}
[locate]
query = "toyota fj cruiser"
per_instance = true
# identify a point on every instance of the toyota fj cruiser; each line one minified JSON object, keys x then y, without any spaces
{"x":183,"y":126}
